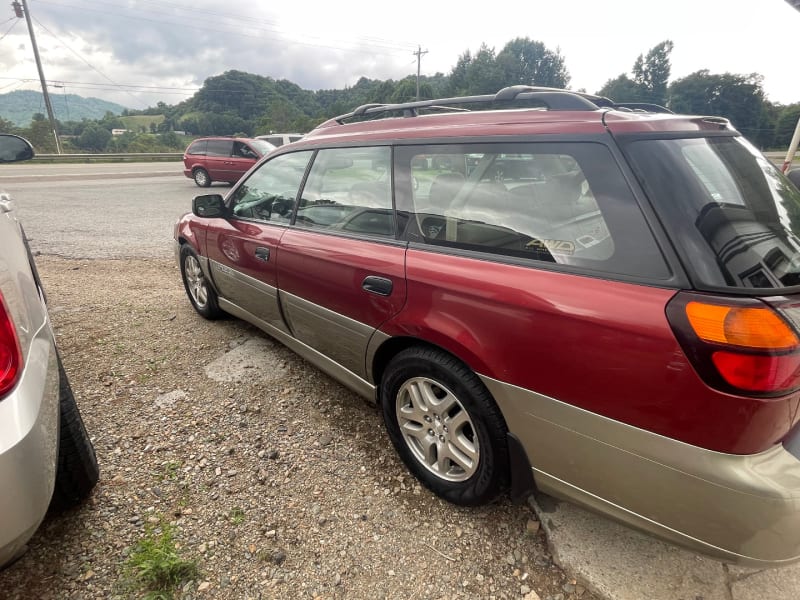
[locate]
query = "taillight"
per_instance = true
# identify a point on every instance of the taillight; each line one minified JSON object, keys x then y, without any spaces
{"x":737,"y":345}
{"x":10,"y":353}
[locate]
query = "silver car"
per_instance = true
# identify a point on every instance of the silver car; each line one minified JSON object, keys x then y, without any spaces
{"x":46,"y":456}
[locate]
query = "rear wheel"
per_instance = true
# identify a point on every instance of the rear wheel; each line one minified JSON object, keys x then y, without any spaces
{"x":201,"y":294}
{"x":77,"y":471}
{"x":445,"y":426}
{"x":202,"y":178}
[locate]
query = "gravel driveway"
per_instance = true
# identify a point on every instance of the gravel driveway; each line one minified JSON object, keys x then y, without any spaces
{"x":279,"y":482}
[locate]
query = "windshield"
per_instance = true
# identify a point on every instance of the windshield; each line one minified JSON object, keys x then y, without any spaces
{"x":734,"y":216}
{"x":263,"y":146}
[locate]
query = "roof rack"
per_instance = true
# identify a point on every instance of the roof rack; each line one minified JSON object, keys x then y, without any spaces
{"x":552,"y":98}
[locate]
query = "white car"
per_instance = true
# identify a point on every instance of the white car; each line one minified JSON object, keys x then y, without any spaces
{"x":279,"y":139}
{"x":46,"y":456}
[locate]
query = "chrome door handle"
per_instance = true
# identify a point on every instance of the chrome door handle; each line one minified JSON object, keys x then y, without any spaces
{"x":262,"y":253}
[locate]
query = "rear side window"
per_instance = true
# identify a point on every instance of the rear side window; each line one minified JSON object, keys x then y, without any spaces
{"x":557,"y":203}
{"x":349,"y":190}
{"x":219,"y":148}
{"x":197,"y":147}
{"x":733,"y":214}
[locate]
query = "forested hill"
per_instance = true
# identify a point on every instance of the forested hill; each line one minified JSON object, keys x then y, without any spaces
{"x":20,"y":106}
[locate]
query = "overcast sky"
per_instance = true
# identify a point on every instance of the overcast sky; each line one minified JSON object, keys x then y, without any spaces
{"x":139,"y":52}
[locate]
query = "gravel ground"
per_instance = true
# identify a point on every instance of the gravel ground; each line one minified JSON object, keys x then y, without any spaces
{"x":280,"y":483}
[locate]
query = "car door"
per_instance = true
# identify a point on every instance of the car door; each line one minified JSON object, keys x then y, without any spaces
{"x":243,"y":248}
{"x":243,"y":157}
{"x":341,"y":270}
{"x":218,"y":159}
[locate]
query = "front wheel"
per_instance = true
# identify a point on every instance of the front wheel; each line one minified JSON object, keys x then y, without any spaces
{"x":445,"y":426}
{"x":201,"y":294}
{"x":202,"y":178}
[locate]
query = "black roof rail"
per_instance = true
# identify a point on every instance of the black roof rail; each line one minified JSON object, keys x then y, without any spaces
{"x":552,"y":98}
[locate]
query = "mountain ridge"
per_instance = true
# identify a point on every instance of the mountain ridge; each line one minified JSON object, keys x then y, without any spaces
{"x":20,"y":106}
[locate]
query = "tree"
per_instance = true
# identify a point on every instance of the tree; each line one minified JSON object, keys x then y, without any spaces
{"x":785,"y":125}
{"x":528,"y":62}
{"x":94,"y":138}
{"x":739,"y":98}
{"x":457,"y":85}
{"x":651,"y":73}
{"x":650,"y":76}
{"x":484,"y":75}
{"x":622,"y":89}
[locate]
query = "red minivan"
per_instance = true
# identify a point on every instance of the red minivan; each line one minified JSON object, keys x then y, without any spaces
{"x":222,"y":158}
{"x":601,"y":301}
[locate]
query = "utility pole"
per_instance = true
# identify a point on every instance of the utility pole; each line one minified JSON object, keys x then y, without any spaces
{"x":48,"y":106}
{"x":419,"y":54}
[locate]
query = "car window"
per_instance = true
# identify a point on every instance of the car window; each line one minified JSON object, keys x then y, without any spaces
{"x":349,"y":189}
{"x":270,"y":191}
{"x":219,"y":148}
{"x":728,"y":208}
{"x":197,"y":147}
{"x":558,"y":203}
{"x":275,"y":140}
{"x":242,"y":150}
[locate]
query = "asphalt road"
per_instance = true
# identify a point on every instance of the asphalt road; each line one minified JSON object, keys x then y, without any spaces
{"x":124,"y":210}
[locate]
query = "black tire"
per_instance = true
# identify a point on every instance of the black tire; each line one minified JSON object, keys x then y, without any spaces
{"x":201,"y":294}
{"x":461,"y":430}
{"x":201,"y":178}
{"x":77,"y":471}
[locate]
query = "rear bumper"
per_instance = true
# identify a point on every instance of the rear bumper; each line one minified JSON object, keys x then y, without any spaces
{"x":741,"y":509}
{"x":28,"y":446}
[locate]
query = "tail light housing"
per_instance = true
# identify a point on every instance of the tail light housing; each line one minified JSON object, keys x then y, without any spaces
{"x":10,"y":351}
{"x":742,"y":346}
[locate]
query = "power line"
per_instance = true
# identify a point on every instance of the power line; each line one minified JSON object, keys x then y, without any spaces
{"x":14,"y":24}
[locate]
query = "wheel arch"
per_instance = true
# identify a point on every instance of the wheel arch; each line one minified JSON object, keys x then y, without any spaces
{"x":520,"y":472}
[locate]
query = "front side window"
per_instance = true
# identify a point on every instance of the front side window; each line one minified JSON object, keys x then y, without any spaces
{"x":242,"y":150}
{"x":349,"y":190}
{"x":730,"y":210}
{"x":558,"y":203}
{"x":269,"y":193}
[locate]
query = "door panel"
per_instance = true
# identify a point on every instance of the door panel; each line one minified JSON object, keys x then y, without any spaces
{"x":321,"y":278}
{"x":244,"y":248}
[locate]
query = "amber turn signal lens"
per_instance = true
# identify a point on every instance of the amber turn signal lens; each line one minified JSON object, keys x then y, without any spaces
{"x":747,"y":327}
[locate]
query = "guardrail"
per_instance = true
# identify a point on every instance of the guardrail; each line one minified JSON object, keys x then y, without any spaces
{"x":109,"y":158}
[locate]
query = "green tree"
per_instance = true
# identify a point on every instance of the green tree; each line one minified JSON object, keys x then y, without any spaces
{"x":484,"y":75}
{"x":40,"y":134}
{"x":406,"y":90}
{"x":651,"y":72}
{"x":528,"y":62}
{"x":650,"y":76}
{"x":457,"y":84}
{"x":739,"y":98}
{"x":94,"y":138}
{"x":786,"y":124}
{"x":622,"y":89}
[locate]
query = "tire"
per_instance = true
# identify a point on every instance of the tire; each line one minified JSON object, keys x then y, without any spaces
{"x":76,"y":471}
{"x":452,"y":436}
{"x":201,"y":294}
{"x":201,"y":178}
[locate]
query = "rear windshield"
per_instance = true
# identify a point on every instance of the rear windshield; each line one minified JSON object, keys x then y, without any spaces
{"x":733,"y":215}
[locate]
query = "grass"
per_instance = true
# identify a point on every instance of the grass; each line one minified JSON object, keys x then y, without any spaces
{"x":237,"y":515}
{"x":155,"y":568}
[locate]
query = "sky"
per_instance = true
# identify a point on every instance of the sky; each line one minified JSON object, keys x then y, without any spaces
{"x":141,"y":52}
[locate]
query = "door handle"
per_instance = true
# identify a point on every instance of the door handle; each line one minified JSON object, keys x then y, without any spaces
{"x":377,"y":285}
{"x":262,"y":253}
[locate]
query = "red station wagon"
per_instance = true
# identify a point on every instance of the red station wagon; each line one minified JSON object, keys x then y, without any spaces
{"x":593,"y":299}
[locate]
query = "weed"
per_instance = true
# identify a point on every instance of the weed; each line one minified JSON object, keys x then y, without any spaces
{"x":154,"y":566}
{"x":237,"y":515}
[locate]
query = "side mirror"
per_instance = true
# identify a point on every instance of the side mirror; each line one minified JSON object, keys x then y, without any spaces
{"x":14,"y":148}
{"x":209,"y":206}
